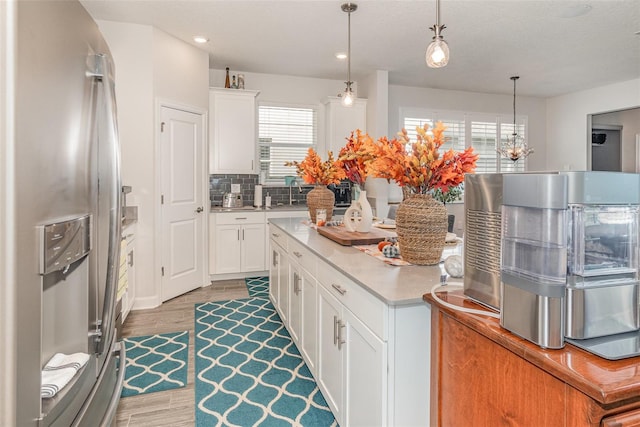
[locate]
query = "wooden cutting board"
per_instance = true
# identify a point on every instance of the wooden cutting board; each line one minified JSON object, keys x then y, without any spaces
{"x":339,"y":234}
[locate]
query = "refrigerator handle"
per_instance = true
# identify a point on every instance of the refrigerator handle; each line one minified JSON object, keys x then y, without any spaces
{"x":115,"y":398}
{"x":104,"y":74}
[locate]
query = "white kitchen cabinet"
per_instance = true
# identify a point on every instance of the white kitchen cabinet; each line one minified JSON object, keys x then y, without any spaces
{"x":283,"y":286}
{"x":237,"y":242}
{"x":309,"y":321}
{"x":341,"y":121}
{"x":233,"y":131}
{"x":129,"y":295}
{"x":352,"y":362}
{"x":271,"y":214}
{"x":295,"y":302}
{"x":330,"y":367}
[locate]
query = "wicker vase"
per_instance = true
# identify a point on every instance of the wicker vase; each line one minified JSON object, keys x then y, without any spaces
{"x":421,"y":224}
{"x":320,"y":198}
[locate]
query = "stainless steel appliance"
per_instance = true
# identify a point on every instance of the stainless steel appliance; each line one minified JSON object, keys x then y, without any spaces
{"x":342,"y":193}
{"x":67,"y":227}
{"x":534,"y":257}
{"x":570,"y":258}
{"x":482,"y":231}
{"x":232,"y":200}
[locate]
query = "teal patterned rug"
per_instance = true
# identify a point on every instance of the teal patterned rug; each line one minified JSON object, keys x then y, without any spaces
{"x":258,"y":286}
{"x":248,"y":370}
{"x":155,"y":363}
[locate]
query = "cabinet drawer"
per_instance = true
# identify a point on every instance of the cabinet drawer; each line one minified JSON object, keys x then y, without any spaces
{"x":302,"y":256}
{"x":239,"y":218}
{"x":366,"y":307}
{"x":278,"y":236}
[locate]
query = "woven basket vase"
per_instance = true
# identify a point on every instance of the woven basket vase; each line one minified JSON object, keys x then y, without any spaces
{"x":320,"y":198}
{"x":421,"y":224}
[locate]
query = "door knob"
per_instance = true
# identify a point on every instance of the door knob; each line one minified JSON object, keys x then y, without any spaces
{"x":200,"y":209}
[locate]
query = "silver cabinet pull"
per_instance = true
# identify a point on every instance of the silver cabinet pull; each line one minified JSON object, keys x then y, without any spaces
{"x":238,"y":234}
{"x":243,"y":234}
{"x":341,"y":325}
{"x":339,"y":289}
{"x":241,"y":218}
{"x":275,"y":259}
{"x":275,"y":234}
{"x":335,"y":330}
{"x":131,"y":259}
{"x":297,"y":254}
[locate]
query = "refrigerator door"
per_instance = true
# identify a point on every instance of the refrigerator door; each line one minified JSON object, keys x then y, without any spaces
{"x":65,"y":143}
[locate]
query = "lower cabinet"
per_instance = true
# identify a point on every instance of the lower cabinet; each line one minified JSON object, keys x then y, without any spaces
{"x":238,"y":244}
{"x":279,"y":281}
{"x":369,"y":359}
{"x":352,"y":365}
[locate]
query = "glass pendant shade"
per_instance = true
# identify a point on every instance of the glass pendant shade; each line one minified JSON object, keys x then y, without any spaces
{"x":515,"y":147}
{"x":348,"y":97}
{"x":437,"y":53}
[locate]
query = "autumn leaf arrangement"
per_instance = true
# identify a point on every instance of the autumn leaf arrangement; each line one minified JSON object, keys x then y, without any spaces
{"x":419,"y":166}
{"x":313,"y":170}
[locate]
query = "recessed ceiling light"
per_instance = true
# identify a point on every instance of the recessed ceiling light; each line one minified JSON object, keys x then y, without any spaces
{"x":200,"y":39}
{"x":341,"y":55}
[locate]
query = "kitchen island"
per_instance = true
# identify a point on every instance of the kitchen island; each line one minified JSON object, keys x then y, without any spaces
{"x":481,"y":374}
{"x":360,"y":324}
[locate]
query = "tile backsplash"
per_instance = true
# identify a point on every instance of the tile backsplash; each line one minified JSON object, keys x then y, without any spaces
{"x":220,"y":184}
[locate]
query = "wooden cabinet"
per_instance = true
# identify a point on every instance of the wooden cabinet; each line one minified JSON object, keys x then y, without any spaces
{"x":238,"y":244}
{"x":484,"y":375}
{"x":341,"y":121}
{"x":233,"y":134}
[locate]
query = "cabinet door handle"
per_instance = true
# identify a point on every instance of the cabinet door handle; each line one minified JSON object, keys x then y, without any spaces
{"x":341,"y":325}
{"x":275,"y":259}
{"x":241,"y":218}
{"x":238,"y":234}
{"x":243,"y":234}
{"x":335,"y":330}
{"x":296,"y":283}
{"x":339,"y":289}
{"x":131,"y":259}
{"x":275,"y":234}
{"x":297,"y":254}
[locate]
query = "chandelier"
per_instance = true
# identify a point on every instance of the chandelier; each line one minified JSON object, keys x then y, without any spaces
{"x":515,"y":148}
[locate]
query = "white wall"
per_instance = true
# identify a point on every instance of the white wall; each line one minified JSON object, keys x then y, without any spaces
{"x":568,"y":132}
{"x":450,"y":100}
{"x":178,"y":71}
{"x":150,"y":65}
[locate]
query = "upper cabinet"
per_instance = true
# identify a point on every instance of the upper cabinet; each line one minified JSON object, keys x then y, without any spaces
{"x":341,"y":121}
{"x":233,"y":134}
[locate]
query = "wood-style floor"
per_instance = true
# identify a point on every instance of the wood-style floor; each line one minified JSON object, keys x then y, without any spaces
{"x":176,"y":407}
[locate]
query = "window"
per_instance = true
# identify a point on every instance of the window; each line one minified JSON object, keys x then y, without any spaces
{"x":285,"y":134}
{"x":483,"y":132}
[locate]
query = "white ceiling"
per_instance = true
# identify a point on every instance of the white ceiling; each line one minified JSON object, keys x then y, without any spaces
{"x":489,"y":40}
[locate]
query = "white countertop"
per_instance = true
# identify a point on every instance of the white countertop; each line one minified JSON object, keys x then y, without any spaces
{"x":395,"y":285}
{"x":275,"y":208}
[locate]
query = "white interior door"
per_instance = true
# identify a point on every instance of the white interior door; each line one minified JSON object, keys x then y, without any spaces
{"x":183,"y":209}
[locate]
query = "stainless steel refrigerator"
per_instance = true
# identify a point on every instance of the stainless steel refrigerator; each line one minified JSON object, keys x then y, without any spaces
{"x":67,"y":214}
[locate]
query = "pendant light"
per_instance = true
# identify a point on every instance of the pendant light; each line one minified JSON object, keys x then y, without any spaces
{"x":348,"y":97}
{"x":515,"y":148}
{"x":438,"y":51}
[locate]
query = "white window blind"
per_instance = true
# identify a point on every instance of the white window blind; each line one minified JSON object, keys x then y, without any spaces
{"x":285,"y":134}
{"x":483,"y":132}
{"x":454,"y":134}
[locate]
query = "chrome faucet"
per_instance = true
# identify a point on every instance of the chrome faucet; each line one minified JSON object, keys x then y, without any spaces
{"x":295,"y":181}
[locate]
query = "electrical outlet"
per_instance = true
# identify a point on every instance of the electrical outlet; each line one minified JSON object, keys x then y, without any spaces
{"x":235,"y":188}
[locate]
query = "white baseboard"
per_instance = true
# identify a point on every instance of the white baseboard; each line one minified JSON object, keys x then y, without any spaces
{"x":231,"y":276}
{"x":146,"y":303}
